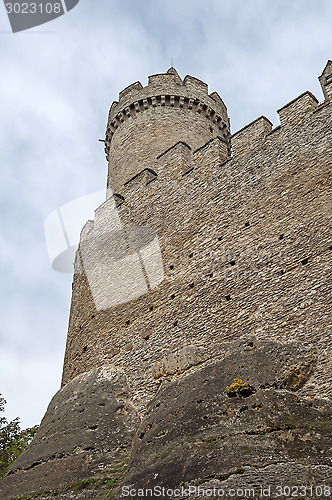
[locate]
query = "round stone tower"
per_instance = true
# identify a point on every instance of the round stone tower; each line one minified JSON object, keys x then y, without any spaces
{"x":162,"y":133}
{"x":146,"y":121}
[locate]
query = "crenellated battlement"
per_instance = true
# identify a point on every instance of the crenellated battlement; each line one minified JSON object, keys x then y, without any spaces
{"x":250,"y":135}
{"x":297,"y":109}
{"x":206,"y":109}
{"x":146,"y":121}
{"x":179,"y":159}
{"x":176,"y":161}
{"x":170,"y":110}
{"x":167,"y":90}
{"x":161,"y":81}
{"x":291,"y":116}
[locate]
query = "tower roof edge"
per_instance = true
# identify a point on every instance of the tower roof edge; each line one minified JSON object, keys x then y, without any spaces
{"x":133,"y":87}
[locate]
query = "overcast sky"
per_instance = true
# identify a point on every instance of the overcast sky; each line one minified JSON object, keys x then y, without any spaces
{"x":57,"y":84}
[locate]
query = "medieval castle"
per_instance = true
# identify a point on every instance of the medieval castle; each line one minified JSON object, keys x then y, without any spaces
{"x":209,"y":261}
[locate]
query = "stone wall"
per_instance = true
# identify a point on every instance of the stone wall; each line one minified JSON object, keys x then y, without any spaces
{"x":246,"y":248}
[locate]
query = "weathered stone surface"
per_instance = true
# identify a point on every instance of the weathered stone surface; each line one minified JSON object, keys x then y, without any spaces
{"x":89,"y":426}
{"x":193,"y":432}
{"x":291,"y":364}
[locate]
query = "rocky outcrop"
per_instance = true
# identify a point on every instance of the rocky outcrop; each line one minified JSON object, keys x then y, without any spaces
{"x":86,"y":432}
{"x":195,"y":434}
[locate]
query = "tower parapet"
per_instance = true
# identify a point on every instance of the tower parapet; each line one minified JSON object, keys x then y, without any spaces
{"x":146,"y":121}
